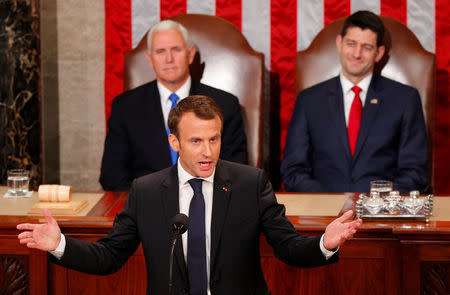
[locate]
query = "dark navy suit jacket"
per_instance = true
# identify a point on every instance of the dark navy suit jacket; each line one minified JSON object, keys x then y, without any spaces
{"x":136,"y":143}
{"x":391,"y":144}
{"x":244,"y":206}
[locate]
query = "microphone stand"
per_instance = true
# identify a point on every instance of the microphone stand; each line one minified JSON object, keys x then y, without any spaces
{"x":174,"y":242}
{"x":179,"y":226}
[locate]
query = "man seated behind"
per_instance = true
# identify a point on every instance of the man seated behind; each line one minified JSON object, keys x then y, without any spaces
{"x":136,"y":143}
{"x":229,"y":205}
{"x":358,"y":126}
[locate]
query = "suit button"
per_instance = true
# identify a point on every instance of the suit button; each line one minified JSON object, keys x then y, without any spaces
{"x":352,"y":180}
{"x":185,"y":291}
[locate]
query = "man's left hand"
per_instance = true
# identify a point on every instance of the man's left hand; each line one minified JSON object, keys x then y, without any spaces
{"x":339,"y":231}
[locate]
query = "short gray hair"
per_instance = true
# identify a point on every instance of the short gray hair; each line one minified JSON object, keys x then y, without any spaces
{"x":166,"y":25}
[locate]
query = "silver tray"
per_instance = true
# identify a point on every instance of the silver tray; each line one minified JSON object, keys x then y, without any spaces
{"x":387,"y":215}
{"x":423,"y":214}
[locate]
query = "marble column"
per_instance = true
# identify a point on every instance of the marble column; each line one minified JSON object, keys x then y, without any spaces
{"x":20,"y":138}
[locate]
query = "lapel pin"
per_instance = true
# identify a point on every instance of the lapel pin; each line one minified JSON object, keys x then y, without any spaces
{"x":374,"y":101}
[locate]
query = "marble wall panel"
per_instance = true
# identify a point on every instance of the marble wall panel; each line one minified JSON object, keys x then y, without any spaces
{"x":20,"y":139}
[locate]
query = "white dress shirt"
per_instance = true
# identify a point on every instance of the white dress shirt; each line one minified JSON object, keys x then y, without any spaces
{"x":164,"y":94}
{"x":349,"y":95}
{"x":186,"y":194}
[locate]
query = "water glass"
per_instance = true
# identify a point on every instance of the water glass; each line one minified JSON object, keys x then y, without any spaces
{"x":381,"y":186}
{"x":18,"y":182}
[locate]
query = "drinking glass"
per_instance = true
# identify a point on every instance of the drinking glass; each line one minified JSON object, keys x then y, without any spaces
{"x":381,"y":186}
{"x":18,"y":182}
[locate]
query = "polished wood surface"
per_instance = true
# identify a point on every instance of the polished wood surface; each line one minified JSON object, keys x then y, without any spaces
{"x":384,"y":257}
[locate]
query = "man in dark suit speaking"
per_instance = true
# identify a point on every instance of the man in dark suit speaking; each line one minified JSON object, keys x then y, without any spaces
{"x":136,"y":142}
{"x":358,"y":126}
{"x":228,"y":204}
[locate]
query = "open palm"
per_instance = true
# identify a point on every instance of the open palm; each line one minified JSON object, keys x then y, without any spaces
{"x":338,"y":231}
{"x":44,"y":236}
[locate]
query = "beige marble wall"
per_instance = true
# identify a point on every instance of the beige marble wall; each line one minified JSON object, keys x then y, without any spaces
{"x":73,"y":87}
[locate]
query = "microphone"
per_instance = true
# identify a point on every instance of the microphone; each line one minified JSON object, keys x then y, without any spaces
{"x":179,"y":226}
{"x":180,"y":223}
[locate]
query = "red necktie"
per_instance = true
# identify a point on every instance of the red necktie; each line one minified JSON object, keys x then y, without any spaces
{"x":354,"y":119}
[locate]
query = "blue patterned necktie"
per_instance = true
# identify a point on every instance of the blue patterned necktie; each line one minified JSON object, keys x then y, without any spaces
{"x":196,"y":256}
{"x":173,"y":154}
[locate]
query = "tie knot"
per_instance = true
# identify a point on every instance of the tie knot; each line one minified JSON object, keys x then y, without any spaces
{"x":356,"y":90}
{"x":173,"y":98}
{"x":196,"y":184}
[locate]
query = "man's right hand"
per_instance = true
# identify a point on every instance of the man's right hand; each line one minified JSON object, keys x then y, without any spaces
{"x":45,"y":237}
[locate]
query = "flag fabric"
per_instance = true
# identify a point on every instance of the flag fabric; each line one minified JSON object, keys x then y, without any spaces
{"x":280,"y":28}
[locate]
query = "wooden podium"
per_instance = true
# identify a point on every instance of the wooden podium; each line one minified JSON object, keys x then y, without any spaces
{"x":383,"y":258}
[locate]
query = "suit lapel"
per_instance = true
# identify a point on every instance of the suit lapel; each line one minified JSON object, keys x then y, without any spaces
{"x":370,"y":111}
{"x":171,"y":207}
{"x":336,"y":105}
{"x":221,"y":198}
{"x":154,"y":111}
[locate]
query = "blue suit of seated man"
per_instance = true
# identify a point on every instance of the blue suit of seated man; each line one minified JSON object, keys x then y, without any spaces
{"x":391,"y":140}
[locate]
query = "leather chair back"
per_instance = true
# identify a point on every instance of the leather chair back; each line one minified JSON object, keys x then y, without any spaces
{"x":405,"y":61}
{"x":224,"y":60}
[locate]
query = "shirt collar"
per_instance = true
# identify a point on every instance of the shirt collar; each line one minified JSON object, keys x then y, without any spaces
{"x":182,"y":92}
{"x":184,"y":176}
{"x":363,"y":84}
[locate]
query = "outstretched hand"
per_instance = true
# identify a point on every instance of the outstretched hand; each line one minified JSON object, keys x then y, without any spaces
{"x":45,"y":237}
{"x":338,"y":231}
